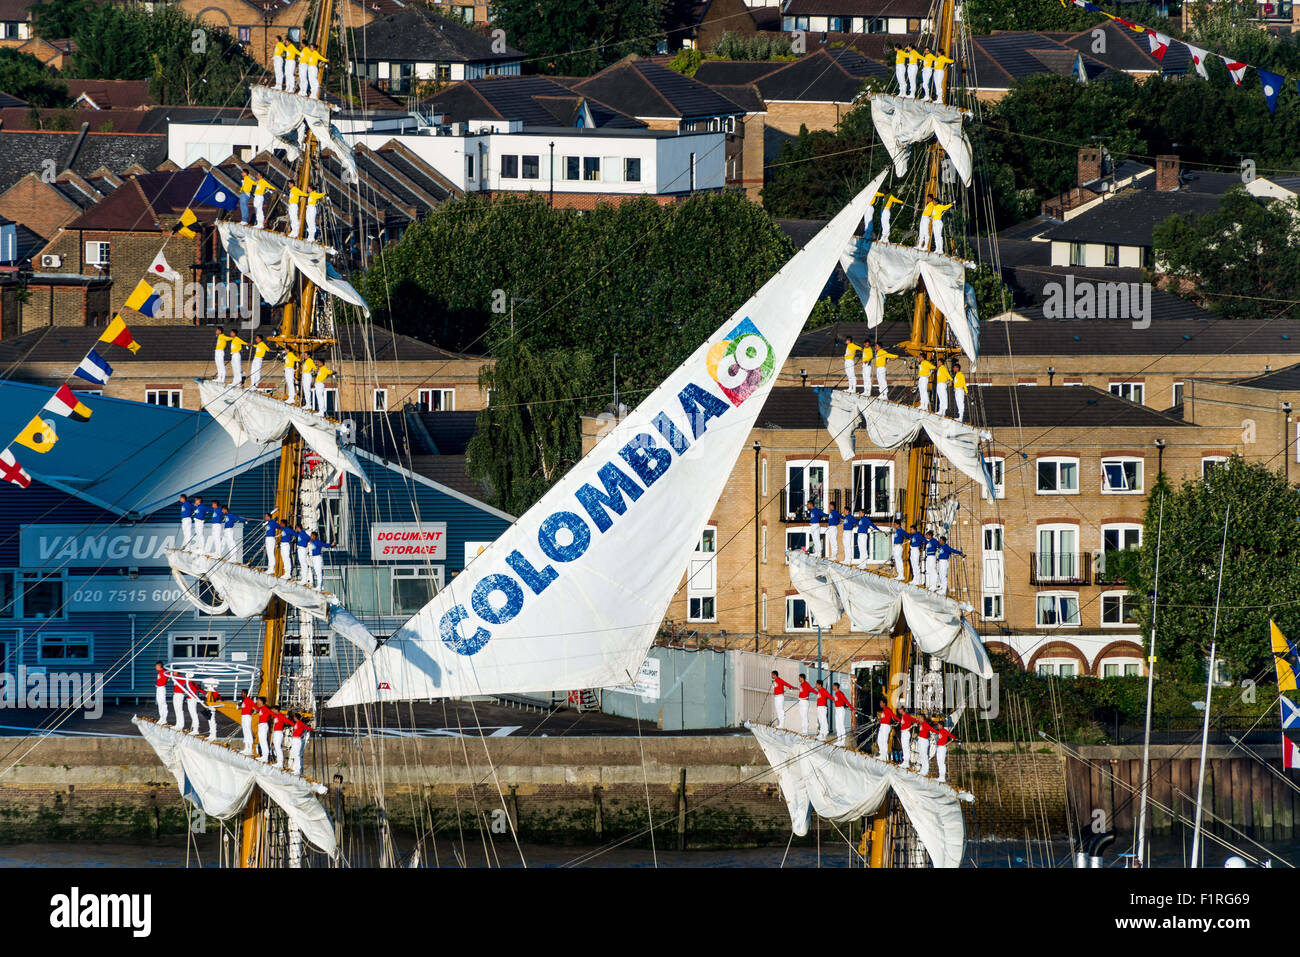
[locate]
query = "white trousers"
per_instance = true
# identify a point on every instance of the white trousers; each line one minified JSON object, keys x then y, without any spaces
{"x":832,"y":543}
{"x":881,"y":384}
{"x":290,"y":380}
{"x":304,"y":565}
{"x":295,"y":755}
{"x":303,"y":70}
{"x":938,"y":83}
{"x":255,"y":374}
{"x":905,"y":743}
{"x":849,"y":536}
{"x":912,"y":69}
{"x":923,"y":234}
{"x":214,"y":539}
{"x":187,"y":529}
{"x":923,"y":387}
{"x":212,"y":724}
{"x":237,"y":367}
{"x":219,"y":357}
{"x":814,"y":540}
{"x":932,"y":572}
{"x":900,"y":73}
{"x":311,"y":222}
{"x":318,"y":570}
{"x":286,"y":558}
{"x":841,"y":725}
{"x":923,"y":755}
{"x":277,"y":62}
{"x":884,"y":224}
{"x":259,"y":207}
{"x":178,"y":704}
{"x":313,"y":75}
{"x":864,"y":547}
{"x":943,"y":576}
{"x":270,"y":554}
{"x":160,"y":695}
{"x":277,"y":745}
{"x":882,"y":742}
{"x":941,"y":759}
{"x":823,"y":727}
{"x":246,"y":725}
{"x":194,"y":715}
{"x":803,"y":714}
{"x":307,"y":394}
{"x":915,"y":557}
{"x":290,"y":71}
{"x":232,"y":547}
{"x":850,"y":375}
{"x":898,"y":562}
{"x":263,"y":749}
{"x":942,"y":389}
{"x":936,"y":227}
{"x":778,"y":705}
{"x":960,"y":396}
{"x":320,"y":397}
{"x":926,"y":73}
{"x":294,"y":219}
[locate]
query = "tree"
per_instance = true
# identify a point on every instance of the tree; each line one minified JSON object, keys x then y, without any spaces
{"x":579,"y":37}
{"x":754,"y":46}
{"x":1261,"y":571}
{"x":815,"y":174}
{"x":59,"y":19}
{"x":24,"y":76}
{"x":1243,"y":260}
{"x":985,"y":16}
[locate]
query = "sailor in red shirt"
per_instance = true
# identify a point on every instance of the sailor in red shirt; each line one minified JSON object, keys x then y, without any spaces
{"x":942,"y":738}
{"x":823,"y":701}
{"x":277,"y":736}
{"x":246,"y":723}
{"x":297,"y":738}
{"x":212,"y":696}
{"x":842,"y":707}
{"x":779,"y":688}
{"x":805,"y":689}
{"x":905,"y":722}
{"x":923,"y":732}
{"x":887,"y":719}
{"x":263,"y":730}
{"x":179,"y":685}
{"x":160,"y":690}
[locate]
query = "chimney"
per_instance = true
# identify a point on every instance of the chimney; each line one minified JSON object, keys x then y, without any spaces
{"x":1089,"y":164}
{"x":1166,"y":173}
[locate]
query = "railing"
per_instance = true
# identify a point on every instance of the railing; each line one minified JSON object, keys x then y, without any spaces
{"x":1099,"y":574}
{"x":1060,"y":568}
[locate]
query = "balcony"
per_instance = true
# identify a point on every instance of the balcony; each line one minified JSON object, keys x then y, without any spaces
{"x":1100,"y":575}
{"x":1053,"y":569}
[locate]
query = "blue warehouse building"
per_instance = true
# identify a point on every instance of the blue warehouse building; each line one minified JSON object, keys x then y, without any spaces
{"x":84,"y":582}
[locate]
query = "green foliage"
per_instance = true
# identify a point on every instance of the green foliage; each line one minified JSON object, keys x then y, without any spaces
{"x":579,"y":37}
{"x":753,"y":46}
{"x":185,"y":61}
{"x":985,"y":16}
{"x":59,"y":19}
{"x":645,"y":281}
{"x":817,"y":173}
{"x":24,"y":76}
{"x":1246,"y":251}
{"x":1261,"y":573}
{"x":686,"y":61}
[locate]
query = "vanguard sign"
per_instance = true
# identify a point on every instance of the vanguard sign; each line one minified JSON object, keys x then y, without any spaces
{"x":112,"y":545}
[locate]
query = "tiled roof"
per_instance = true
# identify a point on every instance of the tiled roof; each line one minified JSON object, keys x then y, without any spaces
{"x":857,"y":8}
{"x":641,"y":88}
{"x":113,"y":94}
{"x":535,"y":100}
{"x":11,"y":102}
{"x":1130,"y":218}
{"x":836,"y":76}
{"x":1281,"y":380}
{"x":25,"y":151}
{"x":999,"y":59}
{"x":1009,"y":406}
{"x":153,"y":201}
{"x":735,"y":72}
{"x":1128,"y":51}
{"x":416,"y":35}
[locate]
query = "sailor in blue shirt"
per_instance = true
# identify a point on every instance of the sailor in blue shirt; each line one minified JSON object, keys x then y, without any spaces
{"x":900,"y":536}
{"x":317,"y":546}
{"x":850,"y":524}
{"x":865,"y":528}
{"x":945,"y":552}
{"x":304,"y":555}
{"x":916,"y":546}
{"x":833,"y":534}
{"x":287,"y":540}
{"x":196,"y":526}
{"x":229,"y":520}
{"x":815,"y":516}
{"x":272,"y":527}
{"x":187,"y":521}
{"x":931,"y":561}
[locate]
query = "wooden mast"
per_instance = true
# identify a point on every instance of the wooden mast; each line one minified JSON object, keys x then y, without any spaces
{"x":296,"y":334}
{"x":925,"y":342}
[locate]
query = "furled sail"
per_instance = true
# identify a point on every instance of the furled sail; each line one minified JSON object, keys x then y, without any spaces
{"x":219,"y":781}
{"x":249,"y":416}
{"x":555,"y":603}
{"x":243,"y":591}
{"x":901,"y":121}
{"x":890,"y":267}
{"x":874,"y":602}
{"x":842,"y":785}
{"x":344,"y":623}
{"x":891,"y":426}
{"x":269,"y":260}
{"x":282,"y":116}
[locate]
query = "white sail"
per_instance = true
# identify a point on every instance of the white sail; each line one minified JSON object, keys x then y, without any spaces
{"x":901,"y":121}
{"x":874,"y":602}
{"x":558,"y":601}
{"x":269,"y":260}
{"x":249,"y":416}
{"x":344,"y":623}
{"x":842,"y":785}
{"x":243,"y":591}
{"x":890,"y":268}
{"x":219,"y":781}
{"x":282,"y":116}
{"x":891,"y":426}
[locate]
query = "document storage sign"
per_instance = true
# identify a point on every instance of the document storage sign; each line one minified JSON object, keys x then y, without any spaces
{"x":408,"y":541}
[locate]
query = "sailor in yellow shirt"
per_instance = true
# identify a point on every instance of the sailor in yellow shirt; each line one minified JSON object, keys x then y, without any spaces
{"x":305,"y":60}
{"x":881,"y":384}
{"x":290,"y":376}
{"x":959,"y":390}
{"x":308,"y":396}
{"x":900,"y":69}
{"x":260,"y":348}
{"x":869,"y":219}
{"x":313,"y":198}
{"x":259,"y":199}
{"x":245,"y":194}
{"x":927,"y":70}
{"x":291,"y":54}
{"x":219,"y":356}
{"x":323,"y":373}
{"x":318,"y":63}
{"x":936,"y":224}
{"x":885,"y":214}
{"x":236,"y":360}
{"x":942,"y":379}
{"x":923,"y":382}
{"x":913,"y":65}
{"x":941,"y":63}
{"x":851,"y":350}
{"x":277,"y":61}
{"x":295,"y":219}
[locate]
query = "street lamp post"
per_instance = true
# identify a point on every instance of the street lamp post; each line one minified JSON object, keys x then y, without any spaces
{"x":1286,"y":441}
{"x":1160,"y":458}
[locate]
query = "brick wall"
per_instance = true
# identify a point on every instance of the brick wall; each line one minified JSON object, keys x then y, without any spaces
{"x":37,"y":205}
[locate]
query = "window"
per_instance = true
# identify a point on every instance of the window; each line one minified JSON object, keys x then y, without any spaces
{"x":295,"y":35}
{"x":1210,"y":463}
{"x":97,"y":254}
{"x":993,"y":559}
{"x":64,"y":648}
{"x":702,"y":608}
{"x":873,"y":487}
{"x":7,"y":609}
{"x":1115,"y":667}
{"x":380,"y":400}
{"x":1133,"y":391}
{"x":794,"y":541}
{"x":591,"y":168}
{"x":195,"y":646}
{"x":438,"y":400}
{"x":997,"y":469}
{"x":333,"y":510}
{"x":168,"y":397}
{"x":1116,"y":538}
{"x":701,"y":578}
{"x":1058,"y":476}
{"x":1177,"y":394}
{"x":469,"y":165}
{"x":532,"y":167}
{"x":731,"y":124}
{"x":1058,"y":667}
{"x":42,"y":595}
{"x":1121,"y":475}
{"x":1057,"y":558}
{"x":245,"y":34}
{"x":321,"y":641}
{"x":1112,"y":254}
{"x":611,"y":168}
{"x":632,"y":169}
{"x":992,"y":608}
{"x":331,"y":399}
{"x":797,"y":617}
{"x":1118,"y":610}
{"x":1078,"y":254}
{"x":510,"y":167}
{"x":572,"y":167}
{"x":414,"y":587}
{"x":1058,"y":610}
{"x":762,"y":601}
{"x":877,"y":25}
{"x":805,"y":484}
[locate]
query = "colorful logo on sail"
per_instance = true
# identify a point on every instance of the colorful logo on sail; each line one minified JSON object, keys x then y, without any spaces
{"x":741,"y":363}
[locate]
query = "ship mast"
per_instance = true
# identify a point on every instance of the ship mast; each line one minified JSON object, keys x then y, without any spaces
{"x":925,"y":342}
{"x":296,"y":333}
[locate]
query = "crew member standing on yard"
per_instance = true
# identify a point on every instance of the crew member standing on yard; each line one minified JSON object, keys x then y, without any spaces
{"x":941,"y":64}
{"x":900,"y":536}
{"x":259,"y":353}
{"x":805,"y":689}
{"x":259,"y":199}
{"x":216,"y":529}
{"x":823,"y":702}
{"x":245,"y":194}
{"x":291,"y":54}
{"x":851,"y":351}
{"x":304,"y":556}
{"x":272,"y":526}
{"x":192,"y":693}
{"x":313,"y":205}
{"x":212,"y":696}
{"x":886,"y":214}
{"x":318,"y":63}
{"x":942,"y":738}
{"x":913,"y":65}
{"x":277,"y":62}
{"x":923,"y":383}
{"x":219,"y":354}
{"x":927,"y":70}
{"x":943,"y":555}
{"x":295,"y":220}
{"x":936,"y":224}
{"x":263,"y":730}
{"x":290,"y":376}
{"x":931,"y":561}
{"x":815,"y":516}
{"x":833,"y":533}
{"x":916,"y":552}
{"x":905,"y":722}
{"x":923,"y":231}
{"x":308,"y":397}
{"x":779,"y":688}
{"x":278,"y":722}
{"x":842,"y":708}
{"x":887,"y":719}
{"x":160,"y":690}
{"x":900,"y":69}
{"x":287,"y":539}
{"x":942,"y":378}
{"x":305,"y":60}
{"x":959,"y":390}
{"x":178,"y":699}
{"x":865,"y":527}
{"x":234,"y":540}
{"x":318,"y":559}
{"x":196,"y":530}
{"x":297,"y":738}
{"x":322,"y":373}
{"x":246,"y":723}
{"x":923,"y":732}
{"x":850,"y":531}
{"x":187,"y":521}
{"x":236,"y":358}
{"x":882,"y":356}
